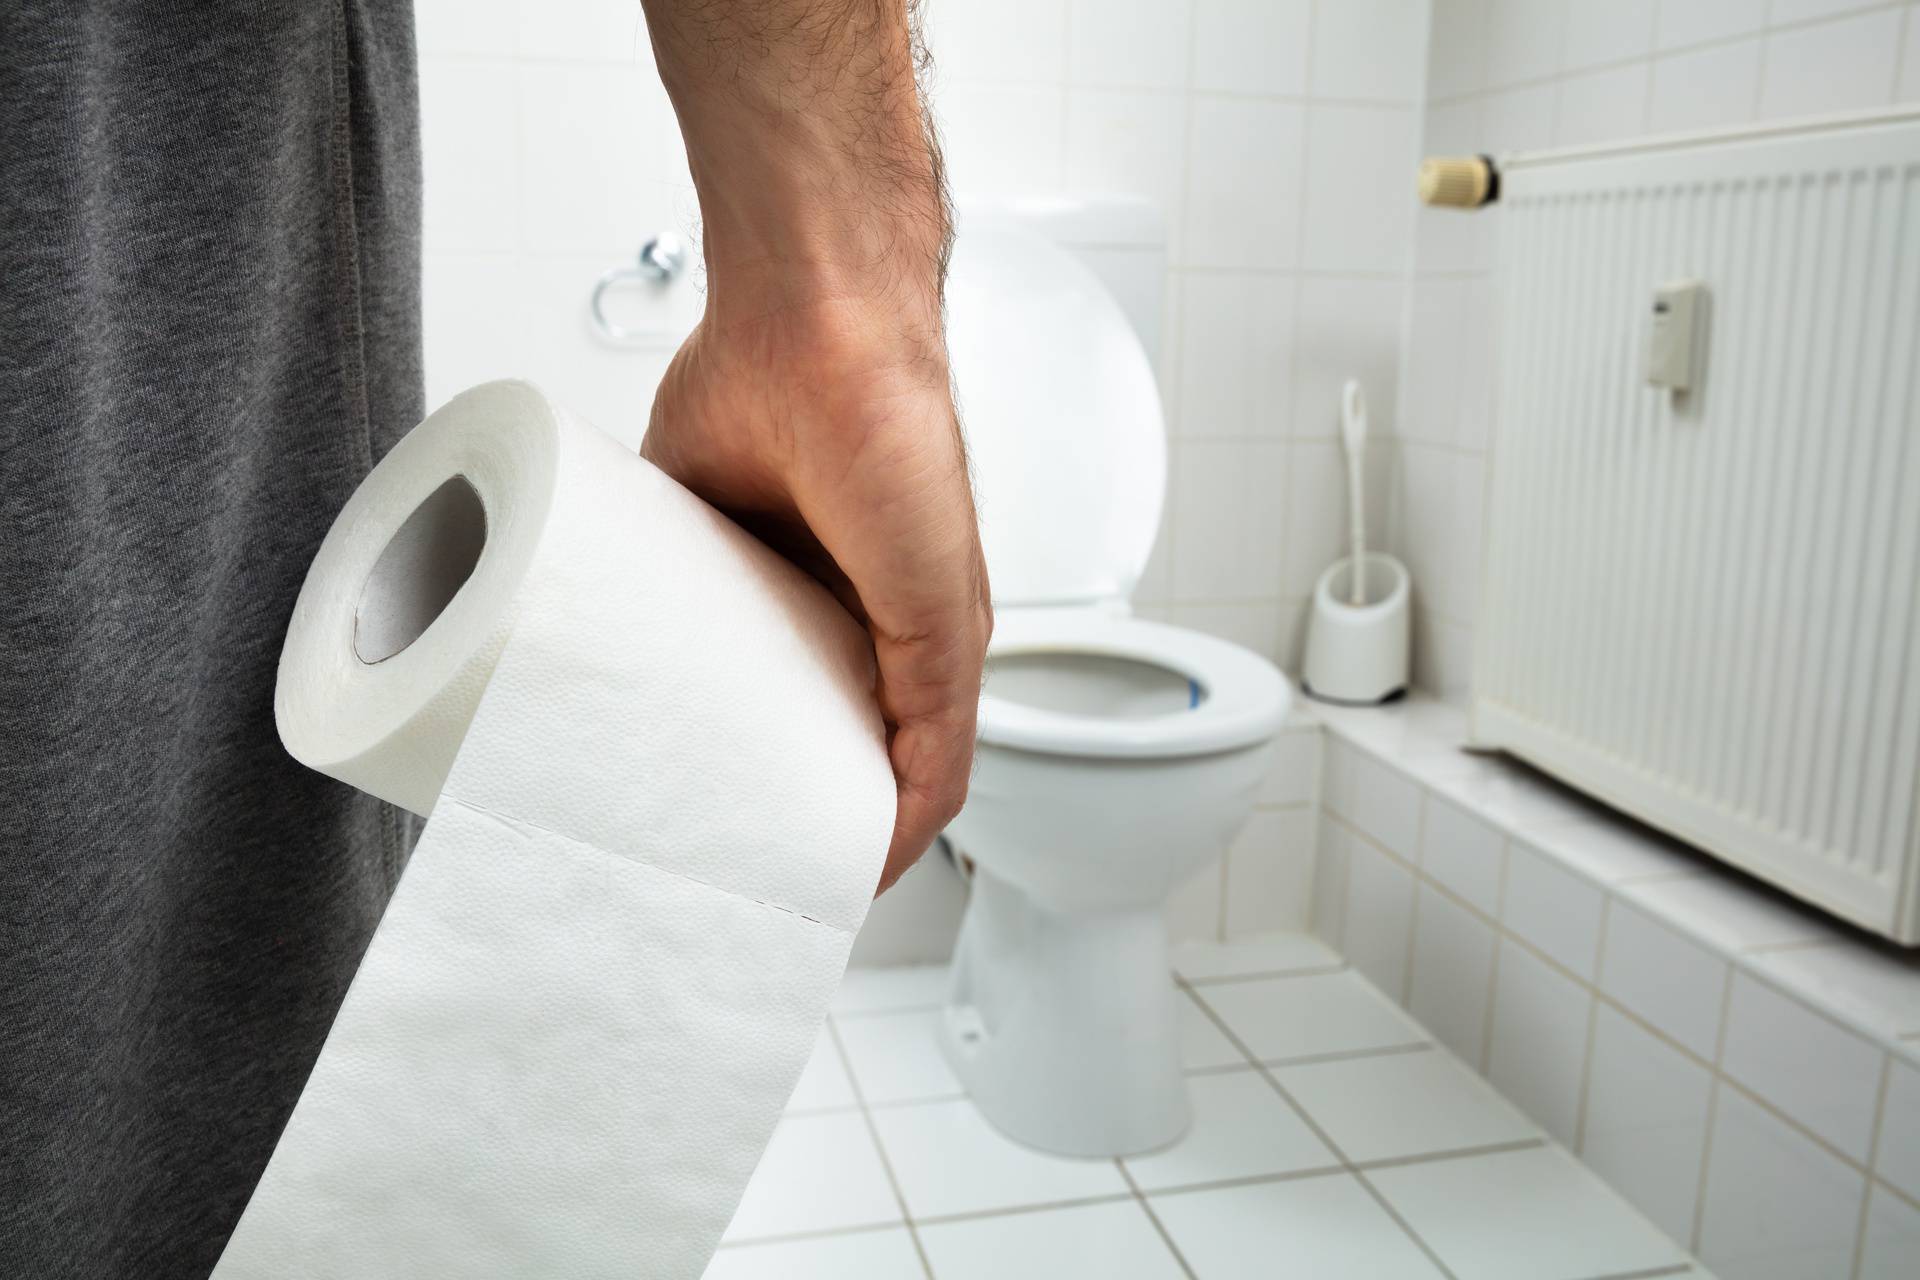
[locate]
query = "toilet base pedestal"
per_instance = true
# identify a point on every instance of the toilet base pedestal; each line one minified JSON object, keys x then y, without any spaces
{"x":1064,"y":1027}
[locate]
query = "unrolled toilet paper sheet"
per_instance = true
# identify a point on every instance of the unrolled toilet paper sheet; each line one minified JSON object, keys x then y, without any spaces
{"x":660,"y":800}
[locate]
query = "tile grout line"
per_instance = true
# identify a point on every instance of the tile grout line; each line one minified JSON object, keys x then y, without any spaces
{"x":879,"y":1147}
{"x":1873,"y":1160}
{"x":1166,"y":1236}
{"x":1716,"y":1087}
{"x":1593,"y":1029}
{"x":1326,"y":1140}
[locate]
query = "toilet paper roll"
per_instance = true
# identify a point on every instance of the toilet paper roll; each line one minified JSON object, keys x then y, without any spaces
{"x":660,"y":800}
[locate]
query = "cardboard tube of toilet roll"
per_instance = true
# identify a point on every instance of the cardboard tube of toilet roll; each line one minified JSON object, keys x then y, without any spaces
{"x":660,"y":800}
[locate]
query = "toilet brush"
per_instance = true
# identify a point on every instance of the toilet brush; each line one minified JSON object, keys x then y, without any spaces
{"x":1353,"y":430}
{"x":1356,"y":636}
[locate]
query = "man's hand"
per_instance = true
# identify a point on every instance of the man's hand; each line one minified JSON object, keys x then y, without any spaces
{"x":812,"y":403}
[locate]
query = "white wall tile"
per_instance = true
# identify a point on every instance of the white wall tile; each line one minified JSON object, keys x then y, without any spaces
{"x":1430,"y":402}
{"x":470,"y":166}
{"x":1294,"y":776}
{"x":472,"y":326}
{"x":1673,"y":982}
{"x":1783,"y":12}
{"x":1330,"y":871}
{"x":612,"y":31}
{"x":1777,"y":1207}
{"x":1243,"y":184}
{"x":1252,"y":624}
{"x":1128,"y":141}
{"x":1370,"y":49}
{"x":1878,"y":989}
{"x":1602,"y":106}
{"x":1645,"y":1128}
{"x":1538,"y":1049}
{"x":600,"y":161}
{"x":1454,"y":239}
{"x":1270,"y":873}
{"x":1017,"y":40}
{"x":1251,"y":46}
{"x":1457,"y":48}
{"x":1685,"y":22}
{"x":1359,"y":195}
{"x":1818,"y":1074}
{"x":1898,"y":1160}
{"x":1318,"y":531}
{"x":1705,"y":88}
{"x":611,"y":387}
{"x":1194,"y":908}
{"x":1610,"y":31}
{"x":1236,"y":352}
{"x":1385,"y":804}
{"x":1910,"y":60}
{"x":1553,"y":908}
{"x":483,"y":27}
{"x":1844,"y":65}
{"x":1463,"y":852}
{"x":1892,"y":1240}
{"x":1229,"y":509}
{"x":1346,"y":328}
{"x":1519,"y":120}
{"x":1138,"y":43}
{"x":1002,"y":139}
{"x":1523,"y":39}
{"x":1451,"y":973}
{"x":1379,"y":917}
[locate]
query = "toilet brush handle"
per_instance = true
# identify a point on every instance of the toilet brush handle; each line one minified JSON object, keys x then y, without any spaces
{"x":1353,"y":423}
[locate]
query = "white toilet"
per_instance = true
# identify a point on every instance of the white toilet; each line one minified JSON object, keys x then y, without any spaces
{"x":1116,"y":756}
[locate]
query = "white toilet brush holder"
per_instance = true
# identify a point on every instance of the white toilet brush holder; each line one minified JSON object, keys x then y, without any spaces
{"x":1357,"y":653}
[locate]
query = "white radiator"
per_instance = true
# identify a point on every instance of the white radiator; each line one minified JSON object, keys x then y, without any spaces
{"x":1702,"y":610}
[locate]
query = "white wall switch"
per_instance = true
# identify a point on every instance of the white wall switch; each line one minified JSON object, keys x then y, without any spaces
{"x":1673,"y":333}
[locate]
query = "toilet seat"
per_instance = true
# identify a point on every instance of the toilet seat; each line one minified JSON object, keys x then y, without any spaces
{"x":1242,"y":697}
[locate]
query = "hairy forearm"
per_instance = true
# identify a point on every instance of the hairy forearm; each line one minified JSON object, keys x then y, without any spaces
{"x":817,"y":173}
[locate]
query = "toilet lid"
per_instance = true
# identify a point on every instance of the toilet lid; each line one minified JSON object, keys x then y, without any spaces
{"x":1062,"y":419}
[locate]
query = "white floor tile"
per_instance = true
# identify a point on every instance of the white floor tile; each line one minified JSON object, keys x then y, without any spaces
{"x":1777,"y":1206}
{"x":819,"y":1173}
{"x":823,"y":1085}
{"x":1403,"y":1104}
{"x":1893,"y":1238}
{"x":896,"y":1057}
{"x":1327,"y":1228}
{"x":1646,"y":1124}
{"x":950,"y":1160}
{"x":1202,"y":1044}
{"x":1115,"y":1241}
{"x":1254,"y":953}
{"x":907,"y":986}
{"x":1523,"y":1215}
{"x":1278,"y":1018}
{"x":865,"y":1255}
{"x":1241,"y":1129}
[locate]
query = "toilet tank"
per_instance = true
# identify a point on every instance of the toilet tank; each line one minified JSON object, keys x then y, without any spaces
{"x":1122,"y":239}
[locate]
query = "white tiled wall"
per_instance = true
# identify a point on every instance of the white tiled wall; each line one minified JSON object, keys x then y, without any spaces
{"x":1523,"y":74}
{"x":1278,"y":136}
{"x":1744,"y":1071}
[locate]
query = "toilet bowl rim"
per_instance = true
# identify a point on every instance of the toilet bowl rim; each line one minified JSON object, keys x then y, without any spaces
{"x":1246,"y":695}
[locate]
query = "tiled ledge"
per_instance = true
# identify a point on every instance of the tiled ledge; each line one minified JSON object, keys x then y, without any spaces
{"x":1744,"y":1069}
